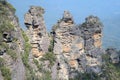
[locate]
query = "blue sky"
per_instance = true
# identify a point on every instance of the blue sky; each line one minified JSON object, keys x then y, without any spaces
{"x":107,"y":10}
{"x":78,"y":8}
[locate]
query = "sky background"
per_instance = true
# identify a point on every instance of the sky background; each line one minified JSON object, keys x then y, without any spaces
{"x":107,"y":10}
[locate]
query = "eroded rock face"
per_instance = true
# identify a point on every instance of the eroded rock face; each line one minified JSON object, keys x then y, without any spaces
{"x":17,"y":67}
{"x":11,"y":51}
{"x":36,"y":30}
{"x":92,"y":35}
{"x":78,"y":48}
{"x":68,"y":47}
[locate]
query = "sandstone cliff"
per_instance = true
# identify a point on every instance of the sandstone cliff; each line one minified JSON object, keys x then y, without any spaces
{"x":69,"y":52}
{"x":37,"y":33}
{"x":77,"y":48}
{"x":39,"y":41}
{"x":68,"y":46}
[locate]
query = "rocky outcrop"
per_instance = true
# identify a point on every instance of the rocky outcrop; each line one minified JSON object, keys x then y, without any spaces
{"x":92,"y":35}
{"x":10,"y":49}
{"x":78,"y":48}
{"x":36,"y":31}
{"x":68,"y":46}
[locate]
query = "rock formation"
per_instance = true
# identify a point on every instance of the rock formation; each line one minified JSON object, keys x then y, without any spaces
{"x":92,"y":35}
{"x":36,"y":30}
{"x":70,"y":52}
{"x":68,"y":47}
{"x":78,"y":48}
{"x":11,"y":44}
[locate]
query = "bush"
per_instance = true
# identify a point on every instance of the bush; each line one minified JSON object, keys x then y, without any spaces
{"x":5,"y":25}
{"x":6,"y":5}
{"x":39,"y":66}
{"x":51,"y":46}
{"x":12,"y":9}
{"x":5,"y":73}
{"x":30,"y":74}
{"x":12,"y":54}
{"x":4,"y":70}
{"x":4,"y":45}
{"x":26,"y":50}
{"x":86,"y":76}
{"x":25,"y":36}
{"x":50,"y":57}
{"x":111,"y":71}
{"x":26,"y":54}
{"x":46,"y":76}
{"x":25,"y":60}
{"x":2,"y":62}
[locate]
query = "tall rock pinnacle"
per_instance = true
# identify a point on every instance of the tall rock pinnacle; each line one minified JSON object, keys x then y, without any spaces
{"x":92,"y":35}
{"x":36,"y":30}
{"x":68,"y":46}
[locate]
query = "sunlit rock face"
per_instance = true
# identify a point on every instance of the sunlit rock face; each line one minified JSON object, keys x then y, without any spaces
{"x":68,"y":47}
{"x":36,"y":31}
{"x":78,"y":48}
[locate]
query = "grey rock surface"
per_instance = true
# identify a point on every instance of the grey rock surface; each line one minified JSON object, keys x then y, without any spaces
{"x":114,"y":55}
{"x":78,"y":46}
{"x":36,"y":31}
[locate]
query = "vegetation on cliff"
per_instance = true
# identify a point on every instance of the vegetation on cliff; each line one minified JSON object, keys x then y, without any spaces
{"x":50,"y":56}
{"x":25,"y":58}
{"x":111,"y":71}
{"x":5,"y":26}
{"x":5,"y":70}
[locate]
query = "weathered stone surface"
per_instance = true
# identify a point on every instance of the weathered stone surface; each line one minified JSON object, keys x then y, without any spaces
{"x":97,"y":36}
{"x":67,"y":17}
{"x":66,"y":48}
{"x":37,"y":31}
{"x":11,"y":33}
{"x":36,"y":11}
{"x":73,"y":64}
{"x":79,"y":48}
{"x":114,"y":55}
{"x":28,"y":19}
{"x":92,"y":34}
{"x":69,"y":45}
{"x":97,"y":43}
